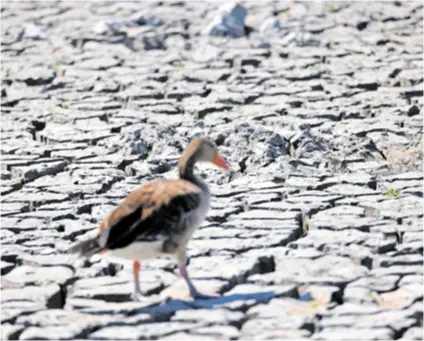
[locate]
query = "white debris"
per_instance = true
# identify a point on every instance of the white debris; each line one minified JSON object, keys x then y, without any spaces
{"x":229,"y":21}
{"x":35,"y":32}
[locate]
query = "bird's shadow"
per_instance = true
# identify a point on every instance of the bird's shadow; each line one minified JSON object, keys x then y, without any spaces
{"x":173,"y":305}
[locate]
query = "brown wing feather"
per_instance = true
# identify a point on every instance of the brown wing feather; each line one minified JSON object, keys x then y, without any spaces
{"x":150,"y":197}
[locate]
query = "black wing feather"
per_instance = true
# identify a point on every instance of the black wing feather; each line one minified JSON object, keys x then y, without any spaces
{"x":164,"y":221}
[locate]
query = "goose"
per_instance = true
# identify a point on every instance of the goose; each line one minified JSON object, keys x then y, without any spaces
{"x":158,"y":218}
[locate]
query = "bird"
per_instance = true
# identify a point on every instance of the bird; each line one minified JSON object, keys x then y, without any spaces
{"x":158,"y":218}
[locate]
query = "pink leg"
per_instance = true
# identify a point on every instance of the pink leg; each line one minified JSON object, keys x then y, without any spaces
{"x":193,"y":291}
{"x":192,"y":288}
{"x":137,"y":291}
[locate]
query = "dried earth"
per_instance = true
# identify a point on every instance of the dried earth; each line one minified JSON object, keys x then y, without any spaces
{"x":315,"y":233}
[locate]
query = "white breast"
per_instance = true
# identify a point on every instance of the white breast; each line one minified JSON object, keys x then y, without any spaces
{"x":139,"y":250}
{"x":200,"y":213}
{"x":194,"y":219}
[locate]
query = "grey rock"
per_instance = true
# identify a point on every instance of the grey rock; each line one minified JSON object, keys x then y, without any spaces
{"x":5,"y":175}
{"x":28,"y":275}
{"x":235,"y":270}
{"x":270,"y":25}
{"x":345,"y":321}
{"x":396,"y":320}
{"x":35,"y":32}
{"x":308,"y":196}
{"x":101,"y":307}
{"x":351,"y":190}
{"x":48,"y":215}
{"x":266,"y":215}
{"x":416,"y":310}
{"x":322,"y":239}
{"x":13,"y":208}
{"x":309,"y":253}
{"x":279,"y":307}
{"x":32,"y":297}
{"x":331,"y":270}
{"x":357,"y":334}
{"x":403,"y":297}
{"x":345,"y":222}
{"x":398,"y":270}
{"x":37,"y":170}
{"x":352,"y":309}
{"x":308,"y":143}
{"x":217,"y":232}
{"x":262,"y":293}
{"x":6,"y":267}
{"x":59,"y":317}
{"x":124,"y":26}
{"x":36,"y":76}
{"x":411,"y":279}
{"x":257,"y":198}
{"x":260,"y":329}
{"x":228,"y":22}
{"x":152,"y":42}
{"x":279,"y":317}
{"x":98,"y":63}
{"x":219,"y":332}
{"x":136,"y":92}
{"x":146,"y":18}
{"x":11,"y":332}
{"x":360,"y":295}
{"x":70,"y":332}
{"x":37,"y":198}
{"x":262,"y":224}
{"x":278,"y":334}
{"x":47,"y":258}
{"x":187,"y":336}
{"x":9,"y":315}
{"x":114,"y":289}
{"x":402,"y":260}
{"x":105,"y":27}
{"x":415,"y":333}
{"x":404,"y":176}
{"x":191,"y":105}
{"x":305,"y":208}
{"x":409,"y":248}
{"x":107,"y":86}
{"x":258,"y":41}
{"x":341,"y":210}
{"x":217,"y":316}
{"x":5,"y":234}
{"x":144,"y":331}
{"x":262,"y":239}
{"x":324,"y":294}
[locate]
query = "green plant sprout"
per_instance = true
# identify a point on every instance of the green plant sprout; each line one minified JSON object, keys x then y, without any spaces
{"x":392,"y":192}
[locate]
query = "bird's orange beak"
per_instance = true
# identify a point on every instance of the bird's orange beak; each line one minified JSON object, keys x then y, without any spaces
{"x":220,"y":162}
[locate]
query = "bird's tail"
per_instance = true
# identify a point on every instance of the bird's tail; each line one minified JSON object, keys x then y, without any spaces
{"x":86,"y":248}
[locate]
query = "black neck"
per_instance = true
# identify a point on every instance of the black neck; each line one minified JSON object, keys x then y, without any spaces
{"x":187,"y":173}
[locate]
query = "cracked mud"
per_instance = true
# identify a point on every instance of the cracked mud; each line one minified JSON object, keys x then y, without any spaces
{"x":317,"y":106}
